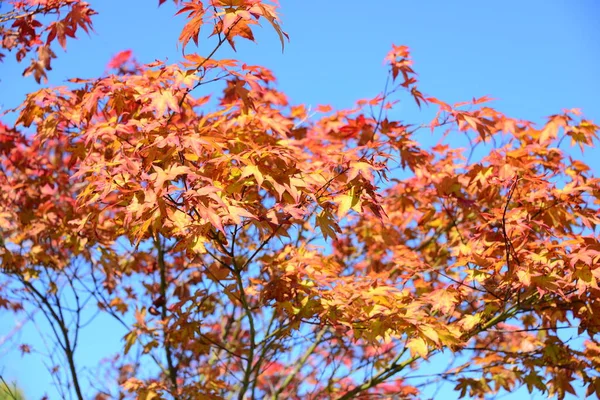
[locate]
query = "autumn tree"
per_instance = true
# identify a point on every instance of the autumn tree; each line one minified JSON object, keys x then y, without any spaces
{"x":254,"y":249}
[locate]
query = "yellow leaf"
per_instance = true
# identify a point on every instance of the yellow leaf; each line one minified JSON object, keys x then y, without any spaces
{"x":524,"y":277}
{"x":443,"y":300}
{"x":130,"y":339}
{"x":346,"y":202}
{"x":430,"y":333}
{"x":470,"y":321}
{"x":344,"y":205}
{"x":254,"y":171}
{"x":191,"y":157}
{"x":162,"y":101}
{"x":327,"y":224}
{"x":417,"y":346}
{"x":198,"y":245}
{"x":361,"y":168}
{"x":148,"y":395}
{"x":180,"y":220}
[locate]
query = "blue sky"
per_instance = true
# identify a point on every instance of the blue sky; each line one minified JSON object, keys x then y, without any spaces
{"x":536,"y":57}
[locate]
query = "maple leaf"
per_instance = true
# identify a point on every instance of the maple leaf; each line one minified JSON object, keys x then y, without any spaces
{"x":118,"y":60}
{"x":268,"y":12}
{"x":327,"y":224}
{"x":160,"y":176}
{"x":80,"y":16}
{"x":253,"y":170}
{"x":231,"y":29}
{"x":360,"y":168}
{"x":235,"y":213}
{"x":38,"y":68}
{"x":191,"y":30}
{"x":443,"y":300}
{"x":162,"y":101}
{"x":418,"y":347}
{"x":58,"y":30}
{"x":348,"y":201}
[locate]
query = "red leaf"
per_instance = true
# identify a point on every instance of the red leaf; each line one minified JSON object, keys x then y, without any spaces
{"x":120,"y":59}
{"x":192,"y":29}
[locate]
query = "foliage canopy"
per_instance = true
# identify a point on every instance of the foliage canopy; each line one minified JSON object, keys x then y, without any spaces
{"x":253,"y":248}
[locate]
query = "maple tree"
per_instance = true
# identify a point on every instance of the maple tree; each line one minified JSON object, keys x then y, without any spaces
{"x":254,"y":249}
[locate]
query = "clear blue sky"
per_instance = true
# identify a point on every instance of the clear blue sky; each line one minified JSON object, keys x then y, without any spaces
{"x":535,"y":56}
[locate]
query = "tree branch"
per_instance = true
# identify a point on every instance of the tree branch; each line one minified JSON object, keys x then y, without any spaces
{"x":163,"y":313}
